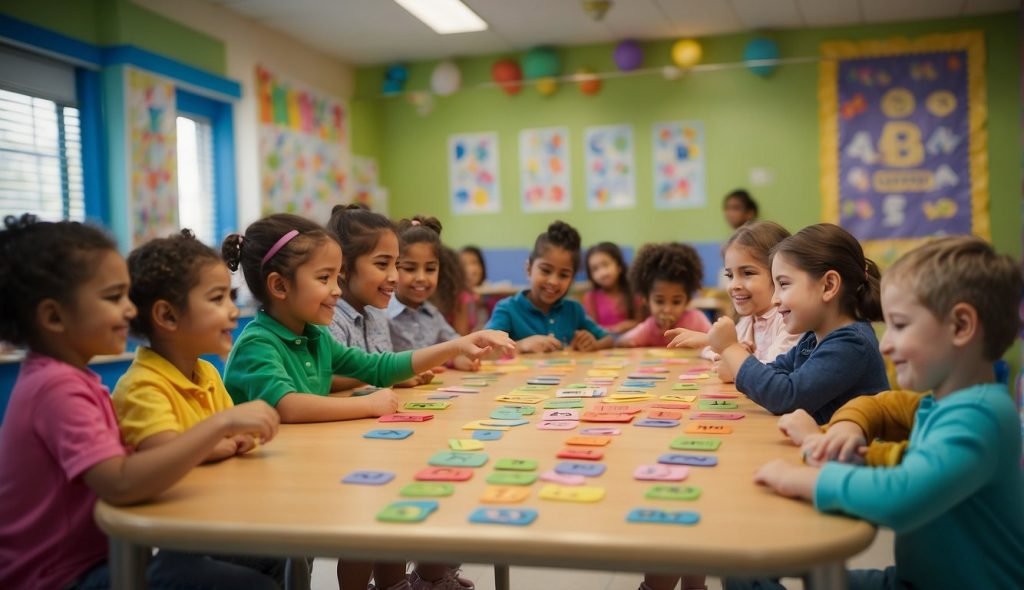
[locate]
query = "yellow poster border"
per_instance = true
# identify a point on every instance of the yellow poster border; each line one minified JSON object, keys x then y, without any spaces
{"x":973,"y":42}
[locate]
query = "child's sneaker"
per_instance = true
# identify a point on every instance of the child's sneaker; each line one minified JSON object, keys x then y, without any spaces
{"x":450,"y":581}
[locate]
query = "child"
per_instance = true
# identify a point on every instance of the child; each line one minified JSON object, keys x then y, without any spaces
{"x":541,"y":319}
{"x":610,"y":300}
{"x":414,"y":321}
{"x":64,"y":294}
{"x":456,"y":302}
{"x":667,"y":276}
{"x":474,"y":272}
{"x":950,"y":311}
{"x":287,"y":357}
{"x":739,"y":208}
{"x":828,"y":291}
{"x":760,"y":329}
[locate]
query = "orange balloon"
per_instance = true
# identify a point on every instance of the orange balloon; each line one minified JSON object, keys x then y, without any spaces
{"x":589,"y":83}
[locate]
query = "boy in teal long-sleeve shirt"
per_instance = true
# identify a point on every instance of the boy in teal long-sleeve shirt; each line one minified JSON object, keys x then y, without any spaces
{"x":950,"y":310}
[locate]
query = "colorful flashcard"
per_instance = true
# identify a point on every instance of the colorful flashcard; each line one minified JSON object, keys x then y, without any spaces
{"x":691,"y":460}
{"x":388,"y":434}
{"x":505,"y":494}
{"x":563,"y":404}
{"x":688,"y":443}
{"x":557,"y":425}
{"x":655,"y":516}
{"x":407,"y":511}
{"x":669,"y":406}
{"x":512,"y":478}
{"x":507,"y":516}
{"x":509,"y":464}
{"x":685,"y":387}
{"x":405,"y":417}
{"x":521,"y":398}
{"x":717,"y":404}
{"x":589,"y":441}
{"x":571,"y":493}
{"x":505,"y":413}
{"x":564,"y":479}
{"x":719,"y":395}
{"x":458,"y":389}
{"x":581,"y":392}
{"x":597,"y":417}
{"x":561,"y":415}
{"x":664,"y":415}
{"x":701,"y":428}
{"x":504,"y":423}
{"x":600,"y":431}
{"x":582,"y":454}
{"x":523,"y":410}
{"x":671,"y":397}
{"x":717,"y":416}
{"x":369,"y":477}
{"x":481,"y":434}
{"x":443,"y":474}
{"x":655,"y":423}
{"x":584,"y":469}
{"x":479,"y":425}
{"x":425,"y":489}
{"x":673,"y":492}
{"x":426,"y":405}
{"x":465,"y":444}
{"x":457,"y":459}
{"x":661,"y":472}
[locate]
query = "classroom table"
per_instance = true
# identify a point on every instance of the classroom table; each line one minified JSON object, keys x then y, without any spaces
{"x":287,"y":498}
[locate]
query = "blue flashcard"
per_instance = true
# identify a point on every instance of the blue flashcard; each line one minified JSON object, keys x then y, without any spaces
{"x":487,"y":434}
{"x":638,"y":384}
{"x":656,"y":423}
{"x":584,"y":469}
{"x":651,"y":515}
{"x":542,"y":381}
{"x":511,"y":516}
{"x":694,"y":460}
{"x":369,"y":478}
{"x":389,"y":433}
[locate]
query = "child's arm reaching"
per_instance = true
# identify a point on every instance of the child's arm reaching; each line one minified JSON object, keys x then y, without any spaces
{"x":298,"y":408}
{"x":538,"y":343}
{"x":584,"y":341}
{"x":472,"y":346}
{"x":683,"y":338}
{"x":142,"y":475}
{"x":225,"y":447}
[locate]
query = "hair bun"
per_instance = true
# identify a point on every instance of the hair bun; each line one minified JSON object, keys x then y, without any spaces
{"x":23,"y":221}
{"x":431,"y":223}
{"x":564,"y":235}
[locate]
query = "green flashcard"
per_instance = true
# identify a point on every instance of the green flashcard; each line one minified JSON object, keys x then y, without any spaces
{"x":685,"y":387}
{"x":686,"y":443}
{"x":427,"y":489}
{"x":577,"y":386}
{"x":457,"y":459}
{"x":516,"y":465}
{"x":407,"y":511}
{"x":717,"y":404}
{"x":512,"y":478}
{"x":505,"y":414}
{"x":563,"y":404}
{"x":534,"y":388}
{"x":427,"y":405}
{"x":671,"y":492}
{"x":523,"y":410}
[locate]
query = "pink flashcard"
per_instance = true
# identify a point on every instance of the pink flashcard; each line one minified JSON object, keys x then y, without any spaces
{"x":719,"y":395}
{"x":557,"y":425}
{"x":405,"y":417}
{"x":661,"y":472}
{"x":458,"y":389}
{"x":563,"y":478}
{"x":716,"y":416}
{"x":561,"y":415}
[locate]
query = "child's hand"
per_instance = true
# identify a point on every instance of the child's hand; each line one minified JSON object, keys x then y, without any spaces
{"x":843,"y":441}
{"x":381,"y":402}
{"x":583,"y":341}
{"x":480,"y":343}
{"x":254,"y":418}
{"x":244,"y":443}
{"x":464,"y":363}
{"x":225,"y":447}
{"x":665,"y":321}
{"x":683,"y":338}
{"x":788,"y":480}
{"x":722,"y":334}
{"x":798,"y":426}
{"x":417,"y":380}
{"x":539,"y":343}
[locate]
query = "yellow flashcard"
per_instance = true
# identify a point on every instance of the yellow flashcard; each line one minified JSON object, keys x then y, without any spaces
{"x":671,"y":397}
{"x":571,"y":493}
{"x":521,"y":398}
{"x":505,"y":494}
{"x":479,"y":425}
{"x":628,"y":397}
{"x":602,"y":373}
{"x":465,"y":444}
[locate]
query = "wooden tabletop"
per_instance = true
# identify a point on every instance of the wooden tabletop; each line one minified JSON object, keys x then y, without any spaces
{"x":287,"y":498}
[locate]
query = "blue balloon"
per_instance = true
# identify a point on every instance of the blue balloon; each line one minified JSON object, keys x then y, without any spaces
{"x":392,"y":87}
{"x":397,"y":72}
{"x":761,"y":48}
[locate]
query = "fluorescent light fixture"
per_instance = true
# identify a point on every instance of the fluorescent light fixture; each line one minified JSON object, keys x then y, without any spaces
{"x":445,"y":16}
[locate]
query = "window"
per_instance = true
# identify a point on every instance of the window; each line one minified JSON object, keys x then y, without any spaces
{"x":196,"y":205}
{"x":40,"y":158}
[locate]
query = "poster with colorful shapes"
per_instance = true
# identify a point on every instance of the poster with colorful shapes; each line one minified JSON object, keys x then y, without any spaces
{"x":305,"y":153}
{"x":611,"y":182}
{"x":679,"y":177}
{"x":544,"y":169}
{"x":903,"y":139}
{"x":473,"y":173}
{"x":366,"y":189}
{"x":152,"y":147}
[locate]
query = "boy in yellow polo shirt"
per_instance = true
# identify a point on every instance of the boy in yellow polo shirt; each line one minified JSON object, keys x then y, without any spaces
{"x":182,"y":291}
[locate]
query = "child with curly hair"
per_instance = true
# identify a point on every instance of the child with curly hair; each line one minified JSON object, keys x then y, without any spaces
{"x":667,"y":276}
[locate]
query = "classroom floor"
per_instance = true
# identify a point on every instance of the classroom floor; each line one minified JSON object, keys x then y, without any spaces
{"x":877,"y":556}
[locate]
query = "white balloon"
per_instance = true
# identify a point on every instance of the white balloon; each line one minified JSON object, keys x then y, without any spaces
{"x":446,"y":78}
{"x":671,"y":73}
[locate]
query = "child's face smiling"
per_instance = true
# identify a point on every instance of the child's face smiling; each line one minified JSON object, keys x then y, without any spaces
{"x":417,"y":274}
{"x":96,"y":321}
{"x":750,"y":282}
{"x":550,"y":276}
{"x":315,"y":285}
{"x":604,"y":269}
{"x":799,"y":296}
{"x":916,"y":341}
{"x":374,"y":277}
{"x":211,"y":316}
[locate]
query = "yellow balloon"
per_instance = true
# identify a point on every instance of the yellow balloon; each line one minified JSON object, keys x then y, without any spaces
{"x":686,"y":53}
{"x":547,"y":86}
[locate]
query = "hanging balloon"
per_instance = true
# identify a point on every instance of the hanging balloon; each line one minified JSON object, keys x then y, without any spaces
{"x":628,"y":55}
{"x":686,"y":53}
{"x":391,"y":87}
{"x":589,"y":83}
{"x":508,"y":75}
{"x":541,"y":62}
{"x":394,"y":79}
{"x":671,"y":73}
{"x":446,"y":78}
{"x":761,"y":49}
{"x":547,"y":86}
{"x":422,"y":100}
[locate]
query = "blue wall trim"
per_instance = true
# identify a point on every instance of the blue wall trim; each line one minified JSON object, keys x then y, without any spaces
{"x":27,"y":34}
{"x":90,"y":112}
{"x":88,"y":55}
{"x":220,"y":116}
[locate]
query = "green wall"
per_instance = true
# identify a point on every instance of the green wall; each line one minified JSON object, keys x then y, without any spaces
{"x":749,"y":122}
{"x":120,"y":22}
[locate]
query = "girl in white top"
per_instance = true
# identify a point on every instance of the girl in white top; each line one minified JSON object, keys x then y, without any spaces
{"x":748,"y":271}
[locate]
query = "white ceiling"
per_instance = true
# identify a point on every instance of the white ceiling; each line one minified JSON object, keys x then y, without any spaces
{"x":380,"y":31}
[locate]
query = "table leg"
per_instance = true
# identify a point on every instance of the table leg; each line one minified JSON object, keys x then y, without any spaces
{"x":297,"y":573}
{"x":828,"y":576}
{"x":128,"y":565}
{"x":501,"y":578}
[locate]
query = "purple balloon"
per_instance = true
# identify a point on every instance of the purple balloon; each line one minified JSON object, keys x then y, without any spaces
{"x":629,"y":55}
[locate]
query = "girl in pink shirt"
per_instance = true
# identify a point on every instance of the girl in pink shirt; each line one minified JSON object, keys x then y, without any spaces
{"x":64,"y":294}
{"x":610,"y":300}
{"x":667,"y":276}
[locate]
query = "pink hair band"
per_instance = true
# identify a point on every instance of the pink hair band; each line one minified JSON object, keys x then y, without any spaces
{"x":278,"y":245}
